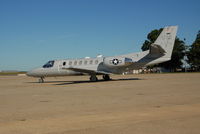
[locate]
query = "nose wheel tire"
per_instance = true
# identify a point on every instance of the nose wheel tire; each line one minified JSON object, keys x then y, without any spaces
{"x":106,"y":77}
{"x":41,"y":80}
{"x":93,"y":78}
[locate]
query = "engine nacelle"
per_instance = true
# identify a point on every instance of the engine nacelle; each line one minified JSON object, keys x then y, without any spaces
{"x":117,"y":61}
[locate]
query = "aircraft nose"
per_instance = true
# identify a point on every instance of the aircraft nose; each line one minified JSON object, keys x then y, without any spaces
{"x":30,"y":73}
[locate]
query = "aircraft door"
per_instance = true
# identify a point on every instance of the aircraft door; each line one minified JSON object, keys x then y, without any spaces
{"x":61,"y":71}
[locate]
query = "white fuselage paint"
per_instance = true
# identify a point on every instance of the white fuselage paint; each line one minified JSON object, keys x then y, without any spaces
{"x":94,"y":64}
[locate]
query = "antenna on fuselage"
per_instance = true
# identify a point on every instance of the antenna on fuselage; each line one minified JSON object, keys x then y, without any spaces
{"x":99,"y":55}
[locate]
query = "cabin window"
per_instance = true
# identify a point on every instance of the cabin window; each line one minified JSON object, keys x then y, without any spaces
{"x":75,"y":62}
{"x":64,"y":63}
{"x":80,"y":62}
{"x":91,"y":61}
{"x":96,"y":61}
{"x":85,"y":62}
{"x":70,"y":63}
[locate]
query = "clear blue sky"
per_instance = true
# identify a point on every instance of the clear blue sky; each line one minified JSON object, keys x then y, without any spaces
{"x":35,"y":31}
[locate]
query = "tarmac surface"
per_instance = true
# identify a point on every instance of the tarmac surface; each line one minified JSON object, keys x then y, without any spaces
{"x":130,"y":104}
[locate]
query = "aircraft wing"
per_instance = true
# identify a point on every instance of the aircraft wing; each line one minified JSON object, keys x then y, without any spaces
{"x":87,"y":71}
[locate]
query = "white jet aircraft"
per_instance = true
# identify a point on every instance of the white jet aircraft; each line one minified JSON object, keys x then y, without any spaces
{"x":160,"y":51}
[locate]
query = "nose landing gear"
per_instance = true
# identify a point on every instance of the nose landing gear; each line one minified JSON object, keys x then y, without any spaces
{"x":41,"y":80}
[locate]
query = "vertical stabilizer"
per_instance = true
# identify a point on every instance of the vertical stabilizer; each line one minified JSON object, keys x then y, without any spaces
{"x":165,"y":42}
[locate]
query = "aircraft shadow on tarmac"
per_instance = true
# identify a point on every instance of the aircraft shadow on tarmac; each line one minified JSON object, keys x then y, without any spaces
{"x":86,"y":81}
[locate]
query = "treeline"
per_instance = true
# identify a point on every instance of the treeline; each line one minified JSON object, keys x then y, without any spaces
{"x":181,"y":52}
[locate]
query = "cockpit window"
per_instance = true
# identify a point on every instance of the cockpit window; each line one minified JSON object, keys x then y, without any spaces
{"x":48,"y":64}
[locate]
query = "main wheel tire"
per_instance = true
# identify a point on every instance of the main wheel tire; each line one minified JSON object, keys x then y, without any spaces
{"x":106,"y":77}
{"x":93,"y":78}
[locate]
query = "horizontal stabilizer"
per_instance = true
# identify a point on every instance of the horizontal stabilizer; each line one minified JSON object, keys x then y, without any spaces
{"x":157,"y":49}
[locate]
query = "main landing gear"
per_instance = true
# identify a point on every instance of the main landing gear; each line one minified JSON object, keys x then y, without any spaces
{"x":94,"y":78}
{"x":106,"y":77}
{"x":41,"y":80}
